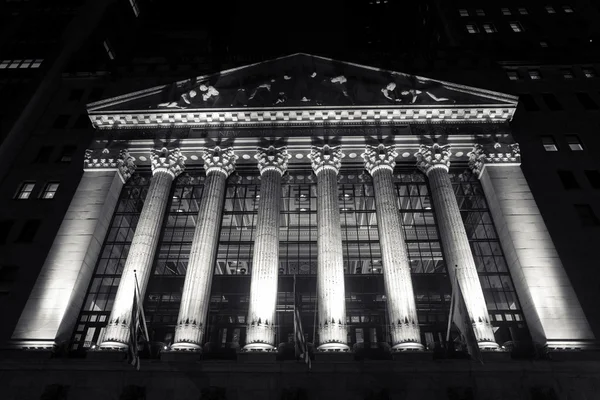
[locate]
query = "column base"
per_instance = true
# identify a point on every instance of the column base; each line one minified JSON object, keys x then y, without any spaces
{"x":259,"y":347}
{"x":118,"y":346}
{"x":488,"y":346}
{"x":333,"y":348}
{"x":186,"y":347}
{"x":409,"y":346}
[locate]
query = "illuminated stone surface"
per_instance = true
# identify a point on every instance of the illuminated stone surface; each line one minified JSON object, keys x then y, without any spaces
{"x":402,"y":311}
{"x":166,"y":165}
{"x":260,"y":335}
{"x":552,"y":310}
{"x":326,"y":162}
{"x":55,"y":301}
{"x":219,"y":164}
{"x":434,"y":161}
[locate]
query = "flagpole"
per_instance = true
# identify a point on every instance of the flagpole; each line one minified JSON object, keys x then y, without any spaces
{"x":452,"y":300}
{"x":295,"y":329}
{"x":140,"y":306}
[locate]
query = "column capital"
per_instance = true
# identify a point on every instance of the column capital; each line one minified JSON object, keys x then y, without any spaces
{"x":326,"y":157}
{"x":497,"y":153}
{"x":377,"y":157}
{"x":119,"y":159}
{"x":219,"y":159}
{"x":272,"y":158}
{"x":170,"y":161}
{"x":434,"y":156}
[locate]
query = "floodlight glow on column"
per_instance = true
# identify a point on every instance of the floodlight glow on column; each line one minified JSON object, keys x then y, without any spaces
{"x":434,"y":161}
{"x":326,"y":162}
{"x":260,"y":333}
{"x":402,"y":310}
{"x":219,"y":163}
{"x":166,"y":165}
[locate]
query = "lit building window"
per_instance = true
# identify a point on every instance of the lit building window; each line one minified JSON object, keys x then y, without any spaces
{"x":134,"y":6}
{"x":21,"y":64}
{"x":109,"y":50}
{"x":463,"y":12}
{"x":489,"y":28}
{"x":549,"y":143}
{"x":567,"y":73}
{"x":471,"y":28}
{"x":506,"y":11}
{"x":512,"y":75}
{"x":516,"y":27}
{"x":543,"y":44}
{"x":574,"y":142}
{"x":589,"y":72}
{"x":50,"y":190}
{"x":523,"y":11}
{"x":24,"y":191}
{"x":550,"y":10}
{"x":535,"y":75}
{"x":568,"y":9}
{"x":480,"y":12}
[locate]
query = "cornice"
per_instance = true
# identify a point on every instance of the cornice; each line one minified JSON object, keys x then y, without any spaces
{"x":207,"y":118}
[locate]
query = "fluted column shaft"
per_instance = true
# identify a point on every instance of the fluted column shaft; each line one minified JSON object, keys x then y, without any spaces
{"x":402,"y":310}
{"x":195,"y":296}
{"x":198,"y":280}
{"x":143,"y":247}
{"x":458,"y":252}
{"x":260,"y":335}
{"x":330,"y":266}
{"x":265,"y":265}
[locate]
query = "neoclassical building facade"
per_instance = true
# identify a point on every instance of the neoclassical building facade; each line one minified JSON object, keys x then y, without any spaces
{"x":371,"y":194}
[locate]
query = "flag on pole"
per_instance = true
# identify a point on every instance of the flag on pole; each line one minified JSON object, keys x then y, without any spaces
{"x":137,"y":316}
{"x":460,"y":317}
{"x":300,"y":340}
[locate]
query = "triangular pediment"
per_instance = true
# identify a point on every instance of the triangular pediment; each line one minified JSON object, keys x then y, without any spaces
{"x":302,"y":81}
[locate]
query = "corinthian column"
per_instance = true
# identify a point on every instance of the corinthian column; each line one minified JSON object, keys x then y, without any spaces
{"x":260,"y":336}
{"x":326,"y":162}
{"x":434,"y":161}
{"x":166,"y":165}
{"x":402,"y":311}
{"x":219,"y":164}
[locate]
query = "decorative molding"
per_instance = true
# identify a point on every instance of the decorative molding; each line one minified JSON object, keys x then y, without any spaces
{"x":272,"y":158}
{"x":307,"y":116}
{"x":102,"y":159}
{"x":219,"y":159}
{"x":170,"y":161}
{"x":481,"y":155}
{"x":381,"y":156}
{"x":434,"y":156}
{"x":326,"y":157}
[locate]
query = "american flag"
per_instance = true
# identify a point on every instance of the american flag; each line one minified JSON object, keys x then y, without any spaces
{"x":300,"y":340}
{"x":137,"y":317}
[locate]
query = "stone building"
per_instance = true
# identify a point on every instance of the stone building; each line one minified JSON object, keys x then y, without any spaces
{"x":361,"y":196}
